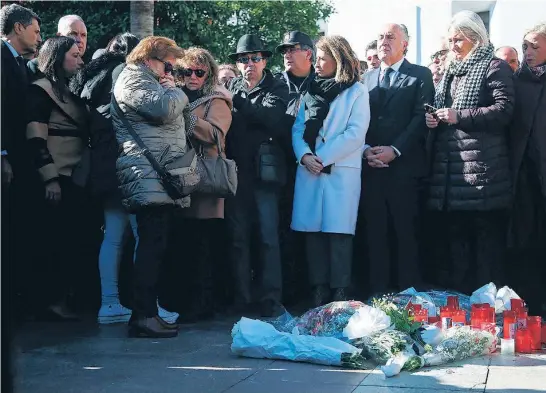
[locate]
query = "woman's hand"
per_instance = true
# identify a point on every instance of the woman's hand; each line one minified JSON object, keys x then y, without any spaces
{"x":312,"y":163}
{"x":53,"y":192}
{"x":167,"y":81}
{"x":431,"y":121}
{"x":448,"y":115}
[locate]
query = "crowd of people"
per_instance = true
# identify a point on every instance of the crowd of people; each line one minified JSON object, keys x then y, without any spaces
{"x":438,"y":171}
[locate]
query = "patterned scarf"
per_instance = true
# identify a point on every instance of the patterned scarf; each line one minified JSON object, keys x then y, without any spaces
{"x":537,"y":71}
{"x":472,"y":72}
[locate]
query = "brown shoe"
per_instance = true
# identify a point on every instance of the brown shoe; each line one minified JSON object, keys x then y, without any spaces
{"x":167,"y":325}
{"x":150,"y":328}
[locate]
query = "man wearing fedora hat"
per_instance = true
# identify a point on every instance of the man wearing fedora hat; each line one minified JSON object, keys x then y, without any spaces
{"x":259,"y":104}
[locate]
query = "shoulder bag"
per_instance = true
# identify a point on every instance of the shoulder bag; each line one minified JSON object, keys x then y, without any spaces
{"x":179,"y":178}
{"x":218,"y":174}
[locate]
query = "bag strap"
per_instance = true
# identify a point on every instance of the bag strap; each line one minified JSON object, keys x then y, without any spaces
{"x":161,"y":171}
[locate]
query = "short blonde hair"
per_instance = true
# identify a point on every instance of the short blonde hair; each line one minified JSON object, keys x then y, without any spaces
{"x":348,"y":65}
{"x":154,"y":47}
{"x":202,"y":57}
{"x":539,"y":29}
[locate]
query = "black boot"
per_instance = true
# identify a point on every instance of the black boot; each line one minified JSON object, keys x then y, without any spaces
{"x":320,"y":295}
{"x":150,"y":328}
{"x":340,"y":295}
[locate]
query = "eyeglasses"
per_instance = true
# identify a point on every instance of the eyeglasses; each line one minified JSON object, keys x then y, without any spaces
{"x":187,"y":72}
{"x":245,"y":60}
{"x":439,"y":54}
{"x":290,"y":49}
{"x":168,"y":66}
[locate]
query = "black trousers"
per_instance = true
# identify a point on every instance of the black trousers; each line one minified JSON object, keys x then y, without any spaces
{"x":204,"y":271}
{"x":153,"y":226}
{"x":526,"y":265}
{"x":329,"y":258}
{"x":63,"y":228}
{"x":470,"y":248}
{"x":391,"y":212}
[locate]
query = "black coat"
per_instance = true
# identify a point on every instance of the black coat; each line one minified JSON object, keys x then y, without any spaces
{"x":14,"y":90}
{"x":398,"y":118}
{"x":529,"y":124}
{"x":94,"y":83}
{"x":470,"y":169}
{"x":258,"y":117}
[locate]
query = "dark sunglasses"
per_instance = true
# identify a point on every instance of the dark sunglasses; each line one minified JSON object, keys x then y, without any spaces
{"x":188,"y":71}
{"x":168,"y":66}
{"x":245,"y":60}
{"x":290,"y":49}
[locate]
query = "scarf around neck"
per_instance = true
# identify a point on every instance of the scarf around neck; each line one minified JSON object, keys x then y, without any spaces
{"x":317,"y":100}
{"x":537,"y":71}
{"x":472,"y":72}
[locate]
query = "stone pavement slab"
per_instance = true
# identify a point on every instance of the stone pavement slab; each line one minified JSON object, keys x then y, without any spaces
{"x":85,"y":358}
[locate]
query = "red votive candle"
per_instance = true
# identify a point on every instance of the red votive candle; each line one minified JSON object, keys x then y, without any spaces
{"x":446,"y":315}
{"x":453,"y":302}
{"x":534,"y":325}
{"x":509,"y":328}
{"x":516,"y":304}
{"x":521,"y":318}
{"x":523,"y":341}
{"x":459,"y":318}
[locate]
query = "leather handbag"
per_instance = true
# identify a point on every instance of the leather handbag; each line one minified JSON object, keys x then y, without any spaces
{"x":179,"y":178}
{"x":271,"y":164}
{"x":218,"y":174}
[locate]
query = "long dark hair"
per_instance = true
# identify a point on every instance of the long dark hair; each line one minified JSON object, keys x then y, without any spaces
{"x":50,"y":62}
{"x":122,"y":43}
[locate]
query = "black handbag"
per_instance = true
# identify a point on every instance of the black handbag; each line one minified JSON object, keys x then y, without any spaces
{"x":271,"y":164}
{"x":179,"y":178}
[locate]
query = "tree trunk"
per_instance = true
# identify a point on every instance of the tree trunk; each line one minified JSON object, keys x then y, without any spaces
{"x":142,"y":18}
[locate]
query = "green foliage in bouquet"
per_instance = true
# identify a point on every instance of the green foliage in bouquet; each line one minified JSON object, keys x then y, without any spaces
{"x":401,"y":319}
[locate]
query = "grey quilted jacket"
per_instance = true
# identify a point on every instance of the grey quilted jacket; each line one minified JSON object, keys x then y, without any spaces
{"x":156,"y":115}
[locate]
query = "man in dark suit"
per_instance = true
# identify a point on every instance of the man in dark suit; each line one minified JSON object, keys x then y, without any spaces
{"x":395,"y":154}
{"x":20,"y":29}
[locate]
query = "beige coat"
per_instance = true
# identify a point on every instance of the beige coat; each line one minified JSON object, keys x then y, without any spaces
{"x":214,"y":124}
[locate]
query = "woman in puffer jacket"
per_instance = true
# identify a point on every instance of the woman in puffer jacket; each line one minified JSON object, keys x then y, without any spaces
{"x":149,"y":100}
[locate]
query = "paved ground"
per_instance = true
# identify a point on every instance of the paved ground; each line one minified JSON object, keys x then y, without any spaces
{"x":85,"y":358}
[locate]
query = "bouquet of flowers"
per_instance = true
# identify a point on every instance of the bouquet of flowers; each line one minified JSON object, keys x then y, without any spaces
{"x":461,"y":342}
{"x":329,"y":320}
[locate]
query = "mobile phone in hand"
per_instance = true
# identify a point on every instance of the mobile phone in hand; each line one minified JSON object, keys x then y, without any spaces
{"x":431,"y":110}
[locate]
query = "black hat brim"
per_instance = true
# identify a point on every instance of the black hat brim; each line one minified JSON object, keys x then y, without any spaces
{"x":284,"y":45}
{"x":266,"y":53}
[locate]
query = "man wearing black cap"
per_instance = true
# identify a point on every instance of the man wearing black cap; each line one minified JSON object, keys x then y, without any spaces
{"x":298,"y":53}
{"x":259,"y":104}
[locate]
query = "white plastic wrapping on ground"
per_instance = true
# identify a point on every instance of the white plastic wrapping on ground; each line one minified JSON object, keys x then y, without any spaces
{"x":258,"y":339}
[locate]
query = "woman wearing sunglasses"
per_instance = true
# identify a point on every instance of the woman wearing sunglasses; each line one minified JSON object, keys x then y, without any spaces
{"x":150,"y":106}
{"x":207,"y":123}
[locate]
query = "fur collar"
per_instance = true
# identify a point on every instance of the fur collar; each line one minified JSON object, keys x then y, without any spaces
{"x":105,"y":62}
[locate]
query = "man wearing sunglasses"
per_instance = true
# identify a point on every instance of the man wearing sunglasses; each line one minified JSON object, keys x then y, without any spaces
{"x":259,"y":102}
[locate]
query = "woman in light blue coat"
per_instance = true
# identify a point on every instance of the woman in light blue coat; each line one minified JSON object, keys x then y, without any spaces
{"x":328,"y":140}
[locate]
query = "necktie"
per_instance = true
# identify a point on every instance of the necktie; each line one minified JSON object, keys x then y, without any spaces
{"x":386,"y":81}
{"x":22,"y":67}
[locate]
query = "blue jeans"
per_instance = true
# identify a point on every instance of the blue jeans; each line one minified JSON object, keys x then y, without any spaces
{"x":255,"y":203}
{"x":116,"y":220}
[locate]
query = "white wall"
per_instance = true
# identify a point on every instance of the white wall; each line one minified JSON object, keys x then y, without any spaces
{"x":360,"y":21}
{"x":511,"y":18}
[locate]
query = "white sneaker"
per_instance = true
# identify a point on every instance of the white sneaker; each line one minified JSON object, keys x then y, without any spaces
{"x":167,"y":316}
{"x":113,"y":313}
